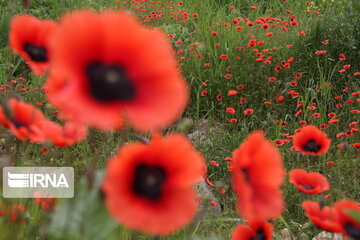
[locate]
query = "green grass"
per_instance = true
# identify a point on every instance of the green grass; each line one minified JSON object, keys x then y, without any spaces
{"x":339,"y":22}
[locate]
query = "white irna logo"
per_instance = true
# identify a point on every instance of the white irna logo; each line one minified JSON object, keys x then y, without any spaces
{"x":37,"y":180}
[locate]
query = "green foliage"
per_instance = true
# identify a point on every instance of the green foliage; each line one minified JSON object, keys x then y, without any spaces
{"x":85,"y":216}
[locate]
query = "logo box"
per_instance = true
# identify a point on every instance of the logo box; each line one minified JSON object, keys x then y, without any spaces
{"x":43,"y":182}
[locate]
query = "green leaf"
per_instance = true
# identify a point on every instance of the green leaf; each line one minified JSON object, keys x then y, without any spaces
{"x":84,"y":216}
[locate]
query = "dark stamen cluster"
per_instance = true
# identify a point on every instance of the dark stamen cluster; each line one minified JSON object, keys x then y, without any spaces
{"x":36,"y":53}
{"x":260,"y":235}
{"x":311,"y":146}
{"x":352,"y":230}
{"x":109,"y":83}
{"x":18,"y":124}
{"x":307,"y":187}
{"x":149,"y":181}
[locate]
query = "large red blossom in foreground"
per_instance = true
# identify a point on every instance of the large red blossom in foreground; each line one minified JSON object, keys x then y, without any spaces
{"x":122,"y":70}
{"x":349,"y":226}
{"x":30,"y":37}
{"x":310,"y":140}
{"x":257,"y":229}
{"x":324,"y":218}
{"x":310,"y":183}
{"x":149,"y":187}
{"x":257,"y":175}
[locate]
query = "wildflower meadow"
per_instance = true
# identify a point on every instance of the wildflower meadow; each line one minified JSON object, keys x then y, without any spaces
{"x":192,"y":119}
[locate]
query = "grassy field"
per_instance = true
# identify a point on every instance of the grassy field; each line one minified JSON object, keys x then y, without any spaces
{"x":225,"y":69}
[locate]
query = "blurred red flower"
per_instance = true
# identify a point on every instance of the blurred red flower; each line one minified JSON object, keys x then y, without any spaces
{"x":310,"y":183}
{"x":230,"y":110}
{"x":257,"y":176}
{"x":30,"y":38}
{"x":248,"y":111}
{"x":310,"y":140}
{"x":257,"y":229}
{"x":322,"y":217}
{"x":350,"y":227}
{"x":114,"y":77}
{"x":150,"y":187}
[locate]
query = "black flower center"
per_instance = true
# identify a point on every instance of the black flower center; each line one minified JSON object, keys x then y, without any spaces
{"x":36,"y":53}
{"x":311,"y":146}
{"x":18,"y":124}
{"x":260,"y":235}
{"x":109,"y":83}
{"x":352,"y":230}
{"x":307,"y":187}
{"x":149,"y":181}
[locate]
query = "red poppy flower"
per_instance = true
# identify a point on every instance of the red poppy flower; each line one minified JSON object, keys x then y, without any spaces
{"x":310,"y":140}
{"x":298,"y":113}
{"x":228,"y":76}
{"x":342,"y":57}
{"x":232,"y":92}
{"x":30,"y":37}
{"x":240,"y":86}
{"x":214,"y":34}
{"x":123,"y":70}
{"x":28,"y":123}
{"x":272,"y":79}
{"x":67,"y":135}
{"x":330,"y":163}
{"x":279,"y":99}
{"x":44,"y":150}
{"x":277,"y":68}
{"x":323,"y":126}
{"x":214,"y":163}
{"x":265,"y":26}
{"x":260,"y":43}
{"x":209,"y":183}
{"x":25,"y":121}
{"x":323,"y":218}
{"x":248,"y":112}
{"x":223,"y":56}
{"x":257,"y":176}
{"x":294,"y":23}
{"x":350,"y":227}
{"x":153,"y":184}
{"x":233,"y":120}
{"x":230,"y":110}
{"x":293,"y":84}
{"x":310,"y":183}
{"x":257,"y":229}
{"x":204,"y":93}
